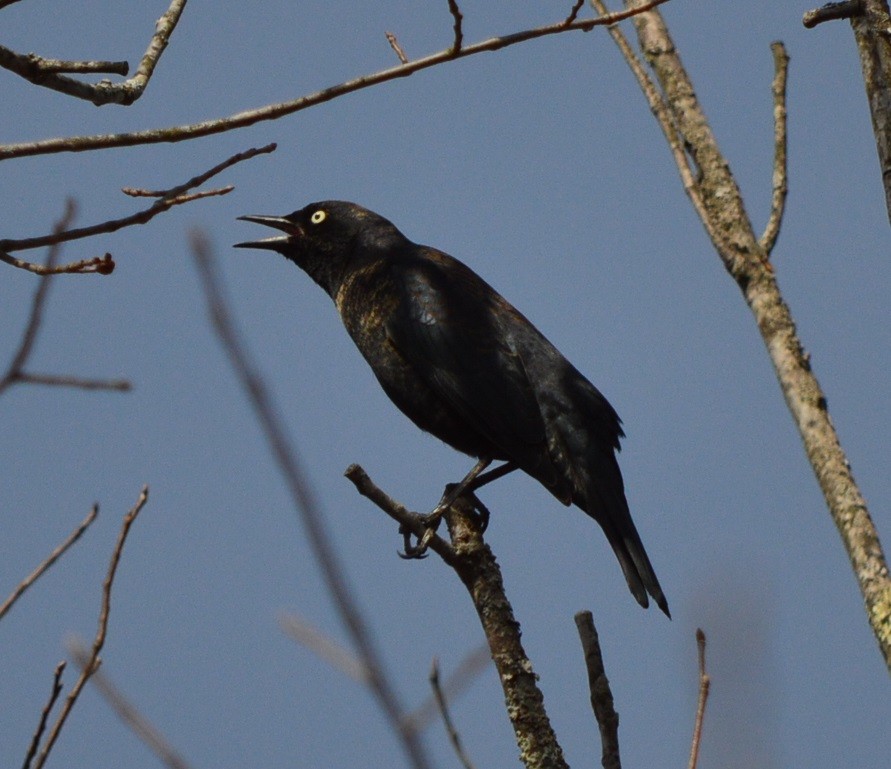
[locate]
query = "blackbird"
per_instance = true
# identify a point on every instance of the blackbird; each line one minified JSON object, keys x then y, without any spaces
{"x":463,"y":364}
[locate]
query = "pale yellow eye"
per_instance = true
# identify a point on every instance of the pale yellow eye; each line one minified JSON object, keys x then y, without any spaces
{"x":318,"y":217}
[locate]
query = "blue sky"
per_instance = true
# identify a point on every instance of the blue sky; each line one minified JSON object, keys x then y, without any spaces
{"x":541,"y":167}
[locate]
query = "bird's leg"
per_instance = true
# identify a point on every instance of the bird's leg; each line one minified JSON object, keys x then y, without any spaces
{"x":474,"y":480}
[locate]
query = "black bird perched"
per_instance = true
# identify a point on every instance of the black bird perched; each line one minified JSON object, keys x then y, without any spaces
{"x":462,"y":363}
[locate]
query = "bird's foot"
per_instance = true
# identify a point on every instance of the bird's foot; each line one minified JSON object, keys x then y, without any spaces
{"x":429,"y":523}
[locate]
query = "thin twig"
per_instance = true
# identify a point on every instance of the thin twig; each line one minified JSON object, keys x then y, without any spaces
{"x":704,"y":684}
{"x":574,"y":12}
{"x":135,"y":720}
{"x":92,"y":664}
{"x":324,"y":646}
{"x":663,"y":114}
{"x":832,"y":12}
{"x":459,"y":19}
{"x":274,"y":111}
{"x":47,"y":73}
{"x":80,"y":383}
{"x":399,"y":513}
{"x":780,"y":165}
{"x":104,"y":265}
{"x":468,"y":669}
{"x":303,"y":497}
{"x":175,"y":196}
{"x":744,"y":259}
{"x":49,"y":561}
{"x":454,"y":737}
{"x":26,"y":346}
{"x":601,"y":695}
{"x":394,"y":44}
{"x":44,"y":715}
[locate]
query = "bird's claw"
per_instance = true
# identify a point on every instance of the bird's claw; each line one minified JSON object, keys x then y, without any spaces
{"x":430,"y":523}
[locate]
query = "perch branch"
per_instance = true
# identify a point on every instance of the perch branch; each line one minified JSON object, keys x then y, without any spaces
{"x":475,"y":565}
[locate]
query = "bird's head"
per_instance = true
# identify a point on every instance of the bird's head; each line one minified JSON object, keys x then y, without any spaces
{"x":327,"y":239}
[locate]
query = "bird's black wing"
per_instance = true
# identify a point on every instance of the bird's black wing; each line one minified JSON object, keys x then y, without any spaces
{"x":447,"y":326}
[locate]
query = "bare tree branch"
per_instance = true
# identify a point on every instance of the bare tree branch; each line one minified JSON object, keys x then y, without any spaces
{"x":475,"y":565}
{"x":601,"y":695}
{"x":407,"y":520}
{"x":454,"y":737}
{"x":325,"y":647}
{"x":832,"y":12}
{"x":47,"y":72}
{"x":704,"y":685}
{"x":136,"y":721}
{"x":718,"y":201}
{"x":48,"y":561}
{"x":303,"y":498}
{"x":273,"y":111}
{"x":104,"y":265}
{"x":44,"y":715}
{"x":466,"y":672}
{"x":574,"y":12}
{"x":874,"y":46}
{"x":780,"y":159}
{"x":459,"y":32}
{"x":167,"y":199}
{"x":16,"y":373}
{"x":93,"y":662}
{"x":394,"y":44}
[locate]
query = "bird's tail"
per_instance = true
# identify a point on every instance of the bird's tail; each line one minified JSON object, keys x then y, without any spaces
{"x":633,"y":559}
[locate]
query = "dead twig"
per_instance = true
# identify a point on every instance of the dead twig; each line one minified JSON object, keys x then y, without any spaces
{"x":574,"y":12}
{"x":780,"y":164}
{"x":93,"y":662}
{"x":167,"y":199}
{"x":394,"y":44}
{"x":324,"y":646}
{"x":466,"y":672}
{"x":127,"y":712}
{"x":454,"y":737}
{"x":303,"y":498}
{"x":48,"y":72}
{"x":832,"y":12}
{"x":704,"y":684}
{"x":44,"y":715}
{"x":48,"y":561}
{"x":407,"y":520}
{"x":458,"y":18}
{"x":601,"y":695}
{"x":274,"y":111}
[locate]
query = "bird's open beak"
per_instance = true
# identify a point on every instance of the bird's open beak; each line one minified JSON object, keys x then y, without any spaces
{"x":275,"y":242}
